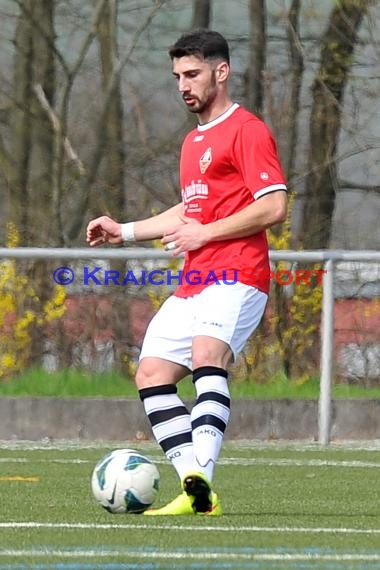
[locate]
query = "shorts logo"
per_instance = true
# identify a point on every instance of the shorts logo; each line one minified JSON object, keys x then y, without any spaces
{"x":264,"y":175}
{"x":212,"y":324}
{"x":205,"y":160}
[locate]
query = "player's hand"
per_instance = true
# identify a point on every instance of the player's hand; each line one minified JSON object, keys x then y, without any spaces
{"x":102,"y":230}
{"x":189,"y":236}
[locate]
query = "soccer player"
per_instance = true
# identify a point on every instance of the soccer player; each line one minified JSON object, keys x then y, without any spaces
{"x":233,"y":189}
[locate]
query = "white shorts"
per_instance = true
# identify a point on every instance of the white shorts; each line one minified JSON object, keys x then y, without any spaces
{"x":227,"y":312}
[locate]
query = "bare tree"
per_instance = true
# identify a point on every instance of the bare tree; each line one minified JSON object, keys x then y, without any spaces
{"x":112,"y":198}
{"x":201,"y":14}
{"x":338,"y":44}
{"x":41,"y":223}
{"x":30,"y":180}
{"x":280,"y":299}
{"x":257,"y":56}
{"x":87,"y":181}
{"x":296,"y":73}
{"x":21,"y":124}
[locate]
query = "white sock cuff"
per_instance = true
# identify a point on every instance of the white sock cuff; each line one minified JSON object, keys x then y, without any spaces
{"x":212,"y":383}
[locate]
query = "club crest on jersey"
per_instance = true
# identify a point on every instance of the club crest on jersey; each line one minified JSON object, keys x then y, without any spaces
{"x":205,"y":160}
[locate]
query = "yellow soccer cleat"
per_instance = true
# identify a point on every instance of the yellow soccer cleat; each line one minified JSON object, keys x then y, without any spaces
{"x":198,"y":488}
{"x":216,"y":508}
{"x":182,"y":505}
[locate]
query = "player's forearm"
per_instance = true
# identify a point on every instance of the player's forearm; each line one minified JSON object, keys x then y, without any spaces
{"x":262,"y":214}
{"x":155,"y":226}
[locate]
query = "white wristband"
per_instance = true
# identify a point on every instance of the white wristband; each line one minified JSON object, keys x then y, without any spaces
{"x":128,"y":231}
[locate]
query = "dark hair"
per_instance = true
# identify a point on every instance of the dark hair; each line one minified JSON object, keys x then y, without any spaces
{"x":203,"y":43}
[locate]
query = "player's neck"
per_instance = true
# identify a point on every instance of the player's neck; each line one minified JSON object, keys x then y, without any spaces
{"x":214,"y":111}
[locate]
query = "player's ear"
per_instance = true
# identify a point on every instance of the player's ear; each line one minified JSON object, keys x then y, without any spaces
{"x":222,"y":71}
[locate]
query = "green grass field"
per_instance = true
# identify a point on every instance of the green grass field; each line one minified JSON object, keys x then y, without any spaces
{"x":80,"y":383}
{"x":287,"y":507}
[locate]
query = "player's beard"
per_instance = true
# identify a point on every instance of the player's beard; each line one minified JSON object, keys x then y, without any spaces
{"x":207,"y":99}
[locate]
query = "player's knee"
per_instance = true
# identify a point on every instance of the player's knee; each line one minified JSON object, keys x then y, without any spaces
{"x":146,"y":376}
{"x":206,"y":357}
{"x":157,"y":372}
{"x":210,"y":352}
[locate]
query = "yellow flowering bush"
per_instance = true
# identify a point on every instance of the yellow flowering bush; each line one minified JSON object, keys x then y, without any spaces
{"x":21,"y":310}
{"x":288,"y":336}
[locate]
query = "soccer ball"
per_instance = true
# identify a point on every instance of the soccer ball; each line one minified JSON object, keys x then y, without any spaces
{"x":125,"y":481}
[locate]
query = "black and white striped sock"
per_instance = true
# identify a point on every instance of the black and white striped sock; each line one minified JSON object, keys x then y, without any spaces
{"x":210,"y":415}
{"x":171,"y":425}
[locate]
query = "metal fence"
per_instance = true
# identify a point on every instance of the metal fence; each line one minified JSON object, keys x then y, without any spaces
{"x":328,"y":258}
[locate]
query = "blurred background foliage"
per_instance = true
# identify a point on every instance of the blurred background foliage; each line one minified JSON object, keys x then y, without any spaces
{"x":91,"y":123}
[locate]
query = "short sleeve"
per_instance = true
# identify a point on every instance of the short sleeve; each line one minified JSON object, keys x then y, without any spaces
{"x":255,"y":155}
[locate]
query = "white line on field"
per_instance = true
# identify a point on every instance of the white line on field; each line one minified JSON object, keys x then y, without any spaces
{"x":131,"y":526}
{"x":33,"y":460}
{"x":249,"y":461}
{"x":294,"y":445}
{"x":296,"y":462}
{"x":191,"y":555}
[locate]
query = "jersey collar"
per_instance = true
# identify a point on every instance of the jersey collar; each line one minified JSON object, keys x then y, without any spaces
{"x":219,"y":119}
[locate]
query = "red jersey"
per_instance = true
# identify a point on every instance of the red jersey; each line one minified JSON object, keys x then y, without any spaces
{"x":226,"y":165}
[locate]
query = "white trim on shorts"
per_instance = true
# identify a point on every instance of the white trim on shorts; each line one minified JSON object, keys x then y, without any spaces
{"x":228,"y":312}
